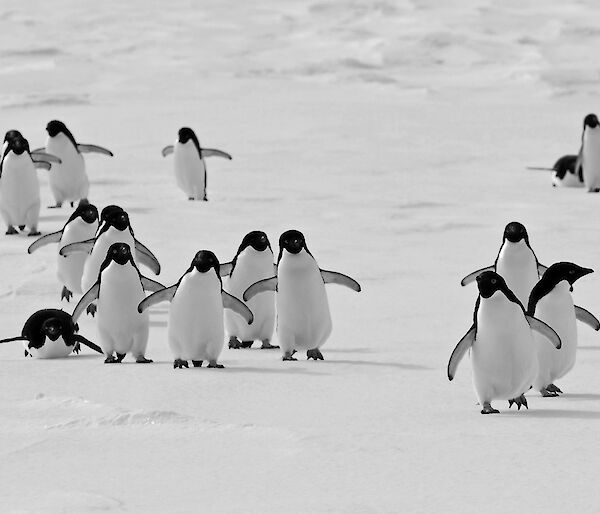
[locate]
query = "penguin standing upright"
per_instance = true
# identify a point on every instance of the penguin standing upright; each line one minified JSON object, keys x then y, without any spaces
{"x":68,"y":181}
{"x":503,"y":352}
{"x":516,"y":262}
{"x":80,"y":226}
{"x":551,"y":301}
{"x":589,"y":155}
{"x":119,"y":289}
{"x":252,"y":262}
{"x":190,"y":168}
{"x":195,"y":327}
{"x":303,"y":318}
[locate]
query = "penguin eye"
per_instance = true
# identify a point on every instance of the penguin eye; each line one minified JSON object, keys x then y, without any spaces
{"x":493,"y":281}
{"x":571,"y":272}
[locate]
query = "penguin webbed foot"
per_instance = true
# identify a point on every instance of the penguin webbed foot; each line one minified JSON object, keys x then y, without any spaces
{"x":142,"y":360}
{"x":197,"y":364}
{"x":547,"y":393}
{"x":111,"y":359}
{"x":180,"y":364}
{"x":57,"y":205}
{"x":266,"y":345}
{"x":289,"y":356}
{"x":21,"y":227}
{"x":488,"y":409}
{"x":91,"y":309}
{"x":120,"y":357}
{"x":315,"y":354}
{"x":76,"y":348}
{"x":234,"y":343}
{"x":66,"y":294}
{"x":246,"y":344}
{"x":34,"y":232}
{"x":11,"y":231}
{"x":213,"y":364}
{"x":553,"y":389}
{"x":519,"y":402}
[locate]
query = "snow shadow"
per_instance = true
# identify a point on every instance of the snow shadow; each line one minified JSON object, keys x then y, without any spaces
{"x":557,"y":413}
{"x":398,"y":365}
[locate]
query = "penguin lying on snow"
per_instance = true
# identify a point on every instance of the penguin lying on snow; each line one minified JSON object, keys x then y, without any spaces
{"x":50,"y":334}
{"x":566,"y":172}
{"x":303,"y":318}
{"x":503,"y":352}
{"x":195,"y":327}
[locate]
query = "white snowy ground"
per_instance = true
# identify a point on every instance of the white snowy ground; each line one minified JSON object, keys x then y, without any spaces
{"x":395,"y":136}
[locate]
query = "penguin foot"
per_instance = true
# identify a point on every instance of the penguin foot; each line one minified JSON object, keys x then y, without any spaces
{"x":519,"y":401}
{"x":246,"y":344}
{"x":58,"y":205}
{"x":546,"y":393}
{"x":191,"y":198}
{"x":553,"y":389}
{"x":142,"y":360}
{"x":266,"y":345}
{"x":21,"y":227}
{"x":289,"y":356}
{"x":120,"y":357}
{"x":34,"y":232}
{"x":66,"y":294}
{"x":213,"y":364}
{"x":111,"y":360}
{"x":234,"y":343}
{"x":91,"y":309}
{"x":11,"y":230}
{"x":27,"y":353}
{"x":487,"y":409}
{"x":72,"y":204}
{"x":76,"y":348}
{"x":180,"y":364}
{"x":197,"y":364}
{"x":315,"y":354}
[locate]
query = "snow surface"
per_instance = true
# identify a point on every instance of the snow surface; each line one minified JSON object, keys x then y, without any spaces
{"x":395,"y":135}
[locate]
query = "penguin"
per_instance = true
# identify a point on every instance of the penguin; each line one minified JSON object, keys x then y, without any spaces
{"x":516,"y":262}
{"x":551,"y":302}
{"x":119,"y":289}
{"x":80,"y":226}
{"x":195,"y":325}
{"x":115,"y":228}
{"x":19,"y":187}
{"x":589,"y":154}
{"x":69,"y":181}
{"x":190,"y":168}
{"x":252,"y":262}
{"x":503,"y":352}
{"x":566,"y":172}
{"x":51,"y":334}
{"x":303,"y":318}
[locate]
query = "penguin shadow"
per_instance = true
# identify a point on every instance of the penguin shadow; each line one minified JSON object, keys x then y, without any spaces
{"x":274,"y":371}
{"x":86,"y":356}
{"x":396,"y":365}
{"x":556,"y":413}
{"x":581,"y":396}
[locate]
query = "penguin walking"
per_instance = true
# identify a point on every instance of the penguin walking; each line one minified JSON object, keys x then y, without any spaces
{"x":81,"y":226}
{"x":190,"y":168}
{"x":516,"y":262}
{"x":195,"y":326}
{"x":589,"y":155}
{"x":551,"y":302}
{"x":303,"y":318}
{"x":51,"y":334}
{"x":19,"y":186}
{"x":36,"y":155}
{"x":252,"y":262}
{"x":503,"y":352}
{"x":119,"y":289}
{"x":69,"y":181}
{"x":566,"y":172}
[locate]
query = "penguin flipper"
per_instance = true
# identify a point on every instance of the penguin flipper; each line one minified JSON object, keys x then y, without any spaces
{"x":41,"y":149}
{"x":167,"y":150}
{"x":94,"y":149}
{"x":587,"y":317}
{"x":80,"y":339}
{"x":151,"y":285}
{"x":10,"y":339}
{"x":81,"y":246}
{"x":231,"y":302}
{"x":459,"y":351}
{"x":39,"y":155}
{"x":86,"y":299}
{"x":45,"y":240}
{"x":147,"y":258}
{"x":225,"y":269}
{"x":333,"y":277}
{"x":472,"y":276}
{"x":213,"y":152}
{"x":42,"y":165}
{"x":164,"y":295}
{"x":267,"y":284}
{"x":541,"y":269}
{"x":546,"y":330}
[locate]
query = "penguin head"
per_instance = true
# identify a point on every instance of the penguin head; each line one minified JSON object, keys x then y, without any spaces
{"x":489,"y":282}
{"x":120,"y":253}
{"x":204,"y":260}
{"x":591,"y":120}
{"x":118,"y":219}
{"x":515,"y":232}
{"x":87,"y":212}
{"x":12,"y":134}
{"x":52,"y":328}
{"x":568,"y":271}
{"x":292,"y":241}
{"x":17,"y":145}
{"x":107,"y":211}
{"x":257,"y":240}
{"x":56,"y":127}
{"x":185,"y":134}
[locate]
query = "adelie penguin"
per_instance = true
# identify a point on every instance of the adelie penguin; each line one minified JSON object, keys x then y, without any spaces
{"x":69,"y":181}
{"x":51,"y":334}
{"x":589,"y":155}
{"x":190,"y":168}
{"x":81,"y":226}
{"x":195,"y":326}
{"x":566,"y":173}
{"x":503,"y":351}
{"x":119,"y":289}
{"x":303,"y":318}
{"x":516,"y":262}
{"x":551,"y":301}
{"x":252,"y":262}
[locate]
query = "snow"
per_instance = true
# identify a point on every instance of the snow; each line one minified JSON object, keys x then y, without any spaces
{"x":395,"y":136}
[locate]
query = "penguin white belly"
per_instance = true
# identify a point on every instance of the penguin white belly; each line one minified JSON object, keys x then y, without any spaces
{"x":251,"y":267}
{"x":70,"y":267}
{"x":68,"y":180}
{"x":119,"y":322}
{"x":50,"y":350}
{"x":518,"y":266}
{"x":19,"y":191}
{"x":303,"y":318}
{"x":503,"y":354}
{"x":189,"y":170}
{"x":93,"y":261}
{"x":557,"y":310}
{"x":195,"y":325}
{"x":591,"y":157}
{"x":569,"y":180}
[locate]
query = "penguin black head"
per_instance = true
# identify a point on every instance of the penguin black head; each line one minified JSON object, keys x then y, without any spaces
{"x":489,"y":282}
{"x":591,"y":120}
{"x":257,"y":240}
{"x":565,"y":271}
{"x":204,"y":260}
{"x":18,"y":145}
{"x":52,"y":328}
{"x":120,"y":253}
{"x":118,"y":219}
{"x":185,"y":134}
{"x":12,"y":134}
{"x":87,"y":212}
{"x":55,"y":127}
{"x":108,"y":210}
{"x":515,"y":232}
{"x":293,"y":241}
